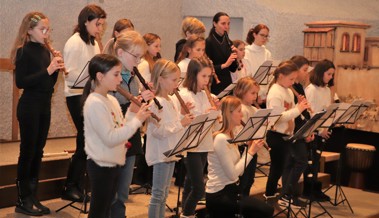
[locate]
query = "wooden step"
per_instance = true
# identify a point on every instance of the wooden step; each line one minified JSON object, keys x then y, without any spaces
{"x":52,"y":177}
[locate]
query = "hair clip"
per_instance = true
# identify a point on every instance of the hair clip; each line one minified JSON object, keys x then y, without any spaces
{"x":35,"y":18}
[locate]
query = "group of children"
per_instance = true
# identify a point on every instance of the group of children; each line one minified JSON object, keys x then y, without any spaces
{"x":108,"y":124}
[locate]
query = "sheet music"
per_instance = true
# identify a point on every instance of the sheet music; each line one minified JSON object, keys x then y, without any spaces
{"x":262,"y":72}
{"x":263,"y":76}
{"x":276,"y":113}
{"x":354,"y":111}
{"x":191,"y":134}
{"x":81,"y":81}
{"x":334,"y":112}
{"x":227,"y":90}
{"x":310,"y":126}
{"x":255,"y":127}
{"x":208,"y":125}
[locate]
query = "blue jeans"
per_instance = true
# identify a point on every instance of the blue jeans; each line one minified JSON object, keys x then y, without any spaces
{"x":118,"y":205}
{"x":162,"y":174}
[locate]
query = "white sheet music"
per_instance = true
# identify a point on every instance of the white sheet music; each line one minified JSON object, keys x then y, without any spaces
{"x":227,"y":90}
{"x":191,"y":135}
{"x":255,"y":127}
{"x":263,"y":76}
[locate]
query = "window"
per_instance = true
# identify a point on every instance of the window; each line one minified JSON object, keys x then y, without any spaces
{"x":356,"y":43}
{"x":345,"y":42}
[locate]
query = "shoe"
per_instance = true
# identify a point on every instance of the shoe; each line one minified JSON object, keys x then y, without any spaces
{"x":202,"y":201}
{"x":33,"y":187}
{"x":321,"y":196}
{"x":268,"y":197}
{"x":183,"y":216}
{"x":24,"y":202}
{"x":295,"y":202}
{"x":73,"y":193}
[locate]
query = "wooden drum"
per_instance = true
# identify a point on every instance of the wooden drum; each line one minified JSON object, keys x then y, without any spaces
{"x":359,"y":158}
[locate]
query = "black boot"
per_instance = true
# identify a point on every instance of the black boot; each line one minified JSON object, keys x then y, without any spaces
{"x":24,"y":202}
{"x":72,"y":192}
{"x":33,"y":187}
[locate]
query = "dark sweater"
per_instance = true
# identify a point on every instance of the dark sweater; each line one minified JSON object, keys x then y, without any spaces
{"x":299,"y":121}
{"x":179,"y":46}
{"x":32,"y":61}
{"x":218,"y":50}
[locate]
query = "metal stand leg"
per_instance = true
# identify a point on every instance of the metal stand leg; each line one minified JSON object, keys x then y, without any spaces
{"x":83,"y":208}
{"x":339,"y":194}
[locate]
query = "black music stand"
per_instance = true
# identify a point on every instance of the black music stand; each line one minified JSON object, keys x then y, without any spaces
{"x":348,"y":115}
{"x":256,"y":128}
{"x":226,"y":91}
{"x":262,"y":75}
{"x":82,"y":78}
{"x":79,"y":83}
{"x":191,"y":138}
{"x":83,"y":207}
{"x":306,"y":130}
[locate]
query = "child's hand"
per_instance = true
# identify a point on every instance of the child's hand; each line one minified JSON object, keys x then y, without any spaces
{"x":189,"y":105}
{"x":325,"y":134}
{"x":303,"y":105}
{"x":187,"y":119}
{"x":55,"y":64}
{"x":143,"y":112}
{"x":255,"y":146}
{"x":310,"y":138}
{"x":147,"y":95}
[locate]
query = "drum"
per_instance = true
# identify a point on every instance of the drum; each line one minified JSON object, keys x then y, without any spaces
{"x":359,"y":158}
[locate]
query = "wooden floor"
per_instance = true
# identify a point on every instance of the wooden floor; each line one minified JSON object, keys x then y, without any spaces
{"x":364,"y":204}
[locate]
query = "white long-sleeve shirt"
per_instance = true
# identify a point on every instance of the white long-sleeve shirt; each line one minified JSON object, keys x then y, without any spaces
{"x":164,"y":135}
{"x":106,"y":130}
{"x":76,"y":54}
{"x":202,"y":105}
{"x":225,"y":164}
{"x":256,"y":56}
{"x":183,"y":66}
{"x":318,"y":97}
{"x":281,"y":97}
{"x":144,"y":70}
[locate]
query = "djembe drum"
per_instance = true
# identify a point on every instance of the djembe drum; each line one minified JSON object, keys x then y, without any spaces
{"x":359,"y":158}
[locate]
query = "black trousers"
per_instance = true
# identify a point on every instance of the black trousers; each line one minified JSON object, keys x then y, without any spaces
{"x":295,"y":165}
{"x":104,"y":185}
{"x":278,"y":154}
{"x":33,"y":114}
{"x":248,"y":177}
{"x":194,"y":183}
{"x":78,"y":160}
{"x":224,"y":203}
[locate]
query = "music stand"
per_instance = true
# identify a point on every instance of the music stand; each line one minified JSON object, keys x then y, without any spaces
{"x":79,"y":83}
{"x":226,"y":91}
{"x":82,"y":78}
{"x":348,"y":116}
{"x":306,"y":130}
{"x":189,"y":140}
{"x":256,"y":126}
{"x":84,"y":202}
{"x":263,"y":73}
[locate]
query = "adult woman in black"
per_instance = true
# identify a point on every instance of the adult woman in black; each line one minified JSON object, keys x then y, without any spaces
{"x":219,"y":50}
